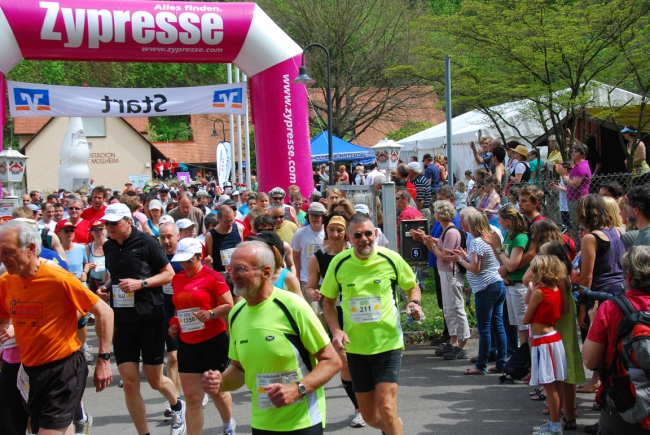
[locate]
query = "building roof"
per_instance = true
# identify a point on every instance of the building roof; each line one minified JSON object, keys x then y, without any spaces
{"x":29,"y":126}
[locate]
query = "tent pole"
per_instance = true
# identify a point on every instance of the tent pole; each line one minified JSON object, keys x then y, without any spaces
{"x":450,"y":163}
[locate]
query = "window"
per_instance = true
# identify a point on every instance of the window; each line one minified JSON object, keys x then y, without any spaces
{"x":94,"y":127}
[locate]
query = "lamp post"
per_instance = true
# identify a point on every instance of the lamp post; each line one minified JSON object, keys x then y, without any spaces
{"x":214,"y":128}
{"x":303,"y":78}
{"x":12,"y":168}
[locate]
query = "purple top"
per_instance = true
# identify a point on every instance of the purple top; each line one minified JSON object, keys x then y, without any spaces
{"x":608,"y":274}
{"x":581,"y":170}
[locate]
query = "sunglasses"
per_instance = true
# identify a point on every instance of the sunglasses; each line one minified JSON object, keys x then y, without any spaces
{"x":68,"y":230}
{"x":277,"y":198}
{"x":113,"y":224}
{"x":368,"y":234}
{"x":278,"y":217}
{"x":74,"y":208}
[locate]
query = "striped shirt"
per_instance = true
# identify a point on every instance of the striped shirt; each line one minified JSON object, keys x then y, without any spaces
{"x":422,"y":190}
{"x":489,"y":272}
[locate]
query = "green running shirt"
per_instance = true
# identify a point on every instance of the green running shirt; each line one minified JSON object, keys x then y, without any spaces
{"x":264,"y":341}
{"x":371,"y":317}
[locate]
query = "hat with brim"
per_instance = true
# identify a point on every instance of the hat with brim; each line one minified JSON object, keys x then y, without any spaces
{"x":270,"y":238}
{"x":167,"y":219}
{"x":128,"y":183}
{"x":155,"y":204}
{"x":184,"y":223}
{"x":116,"y":212}
{"x":187,"y":248}
{"x":522,"y":150}
{"x":628,"y":130}
{"x":64,"y":225}
{"x":316,"y":208}
{"x":97,"y":224}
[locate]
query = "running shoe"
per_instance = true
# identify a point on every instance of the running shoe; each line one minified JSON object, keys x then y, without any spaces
{"x":88,"y":352}
{"x":358,"y":420}
{"x":448,"y":348}
{"x":83,"y":427}
{"x":90,"y":319}
{"x":230,"y":430}
{"x":456,"y":353}
{"x":168,"y":410}
{"x":178,"y":421}
{"x":205,"y":399}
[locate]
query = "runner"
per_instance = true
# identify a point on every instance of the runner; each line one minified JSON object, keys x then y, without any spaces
{"x":221,"y":241}
{"x":202,"y":300}
{"x":138,"y":269}
{"x":365,"y":279}
{"x":277,"y":348}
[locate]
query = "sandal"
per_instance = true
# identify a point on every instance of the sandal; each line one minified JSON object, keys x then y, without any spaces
{"x":538,"y":397}
{"x":597,"y":406}
{"x":536,"y":391}
{"x":494,"y":369}
{"x":585,"y":389}
{"x":569,"y":424}
{"x":546,"y":411}
{"x":473,"y":371}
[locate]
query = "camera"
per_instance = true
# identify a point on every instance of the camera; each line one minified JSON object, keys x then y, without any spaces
{"x":586,"y":296}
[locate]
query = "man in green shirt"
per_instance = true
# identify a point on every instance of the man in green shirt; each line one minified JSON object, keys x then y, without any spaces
{"x":278,"y":348}
{"x":366,"y":277}
{"x":638,"y":212}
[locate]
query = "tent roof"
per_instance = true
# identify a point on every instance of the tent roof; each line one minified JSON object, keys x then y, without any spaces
{"x":342,"y":150}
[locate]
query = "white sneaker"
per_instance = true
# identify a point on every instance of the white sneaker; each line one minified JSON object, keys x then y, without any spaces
{"x":83,"y":428}
{"x":231,"y":429}
{"x":168,"y":410}
{"x":87,"y":351}
{"x":178,"y":421}
{"x":206,"y":398}
{"x":358,"y":420}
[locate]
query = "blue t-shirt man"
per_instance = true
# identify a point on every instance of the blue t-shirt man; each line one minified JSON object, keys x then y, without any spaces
{"x":432,"y":174}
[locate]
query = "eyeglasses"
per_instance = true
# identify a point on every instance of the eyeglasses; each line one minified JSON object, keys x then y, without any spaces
{"x":68,"y":230}
{"x":368,"y":234}
{"x":278,"y":217}
{"x":581,"y":229}
{"x":241,"y":269}
{"x":277,"y":198}
{"x":113,"y":224}
{"x":98,"y":229}
{"x":74,"y":208}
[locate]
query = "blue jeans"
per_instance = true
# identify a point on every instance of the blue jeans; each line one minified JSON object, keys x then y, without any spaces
{"x":489,"y":320}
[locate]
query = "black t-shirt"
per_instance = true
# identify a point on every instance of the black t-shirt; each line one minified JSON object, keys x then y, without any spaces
{"x":139,"y":257}
{"x":317,"y":179}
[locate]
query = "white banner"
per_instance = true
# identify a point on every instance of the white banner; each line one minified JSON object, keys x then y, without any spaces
{"x":223,"y":162}
{"x":28,"y":99}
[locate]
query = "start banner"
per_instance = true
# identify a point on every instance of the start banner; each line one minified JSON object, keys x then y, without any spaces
{"x":28,"y":99}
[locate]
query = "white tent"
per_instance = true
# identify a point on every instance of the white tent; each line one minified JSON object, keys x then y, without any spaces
{"x":471,"y":126}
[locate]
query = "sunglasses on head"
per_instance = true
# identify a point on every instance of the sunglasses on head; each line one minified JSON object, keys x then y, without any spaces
{"x":368,"y":234}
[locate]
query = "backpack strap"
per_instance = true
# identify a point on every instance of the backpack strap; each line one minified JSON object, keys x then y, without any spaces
{"x":624,"y":305}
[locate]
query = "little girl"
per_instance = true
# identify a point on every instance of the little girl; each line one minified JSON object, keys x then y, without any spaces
{"x":548,"y":360}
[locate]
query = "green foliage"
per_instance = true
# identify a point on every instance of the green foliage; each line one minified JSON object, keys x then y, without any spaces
{"x":407,"y":129}
{"x":169,"y":128}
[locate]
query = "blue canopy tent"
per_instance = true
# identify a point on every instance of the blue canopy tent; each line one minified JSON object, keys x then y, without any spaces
{"x":342,"y":150}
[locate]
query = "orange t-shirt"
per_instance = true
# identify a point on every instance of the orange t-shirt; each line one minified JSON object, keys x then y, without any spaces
{"x":44,"y":312}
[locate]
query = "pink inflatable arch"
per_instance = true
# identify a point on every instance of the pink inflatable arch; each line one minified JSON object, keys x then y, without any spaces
{"x":150,"y":31}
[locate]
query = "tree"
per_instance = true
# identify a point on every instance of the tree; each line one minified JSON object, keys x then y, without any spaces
{"x":409,"y":128}
{"x":364,"y":37}
{"x":547,"y":52}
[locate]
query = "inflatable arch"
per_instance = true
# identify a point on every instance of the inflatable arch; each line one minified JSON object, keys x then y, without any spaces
{"x":151,"y":31}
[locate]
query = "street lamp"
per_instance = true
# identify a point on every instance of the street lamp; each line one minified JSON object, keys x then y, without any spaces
{"x":303,"y":78}
{"x":223,"y":128}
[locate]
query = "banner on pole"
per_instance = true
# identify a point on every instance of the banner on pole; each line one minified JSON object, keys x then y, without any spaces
{"x":29,"y":99}
{"x":223,"y":162}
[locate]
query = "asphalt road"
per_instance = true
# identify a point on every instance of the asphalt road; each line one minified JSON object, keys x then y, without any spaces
{"x":434,"y":398}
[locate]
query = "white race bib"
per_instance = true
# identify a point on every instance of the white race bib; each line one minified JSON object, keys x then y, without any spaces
{"x":313,"y":247}
{"x":365,"y":309}
{"x":22,"y":382}
{"x":225,"y":255}
{"x":264,"y":379}
{"x":188,"y":320}
{"x":10,"y":343}
{"x":167,"y":289}
{"x":121,"y":299}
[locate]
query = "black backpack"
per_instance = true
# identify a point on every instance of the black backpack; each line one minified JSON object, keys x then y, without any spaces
{"x":463,"y":243}
{"x":518,"y":366}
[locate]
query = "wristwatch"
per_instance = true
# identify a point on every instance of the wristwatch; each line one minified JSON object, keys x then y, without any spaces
{"x":499,"y":251}
{"x":416,"y":301}
{"x":104,"y":356}
{"x":144,"y":283}
{"x":301,"y":389}
{"x":212,"y":315}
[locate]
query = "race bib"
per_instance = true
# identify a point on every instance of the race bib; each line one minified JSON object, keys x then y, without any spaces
{"x":225,"y":255}
{"x":167,"y":289}
{"x":312,"y":248}
{"x":188,"y":320}
{"x":365,"y":309}
{"x":9,"y":343}
{"x":121,"y":299}
{"x":264,"y":379}
{"x":22,"y":382}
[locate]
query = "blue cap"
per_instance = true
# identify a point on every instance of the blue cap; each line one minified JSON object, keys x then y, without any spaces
{"x":628,"y":130}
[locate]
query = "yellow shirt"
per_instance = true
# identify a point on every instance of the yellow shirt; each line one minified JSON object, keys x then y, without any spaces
{"x":287,"y":231}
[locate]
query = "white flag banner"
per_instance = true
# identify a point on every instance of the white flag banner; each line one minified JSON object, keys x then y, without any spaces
{"x":28,"y":99}
{"x":223,"y":162}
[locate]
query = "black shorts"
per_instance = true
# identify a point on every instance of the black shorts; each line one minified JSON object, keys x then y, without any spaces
{"x":55,"y":390}
{"x":146,"y":338}
{"x":170,"y":342}
{"x":316,"y":429}
{"x":367,"y":371}
{"x":211,"y":354}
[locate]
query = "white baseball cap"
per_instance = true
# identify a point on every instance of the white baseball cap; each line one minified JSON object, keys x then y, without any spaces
{"x":116,"y":212}
{"x":184,"y":223}
{"x":362,"y":208}
{"x":187,"y":248}
{"x":165,"y":219}
{"x":222,"y":199}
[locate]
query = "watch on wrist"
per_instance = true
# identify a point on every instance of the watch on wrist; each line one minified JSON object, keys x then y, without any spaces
{"x":499,"y":251}
{"x":301,"y":389}
{"x":104,"y":356}
{"x":144,"y":283}
{"x":415,"y":301}
{"x":212,"y":315}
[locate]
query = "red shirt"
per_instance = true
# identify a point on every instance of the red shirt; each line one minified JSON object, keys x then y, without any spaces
{"x":81,"y":232}
{"x":201,"y":291}
{"x":92,"y":215}
{"x":549,"y":310}
{"x":604,"y":328}
{"x":165,"y":166}
{"x":158,"y":168}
